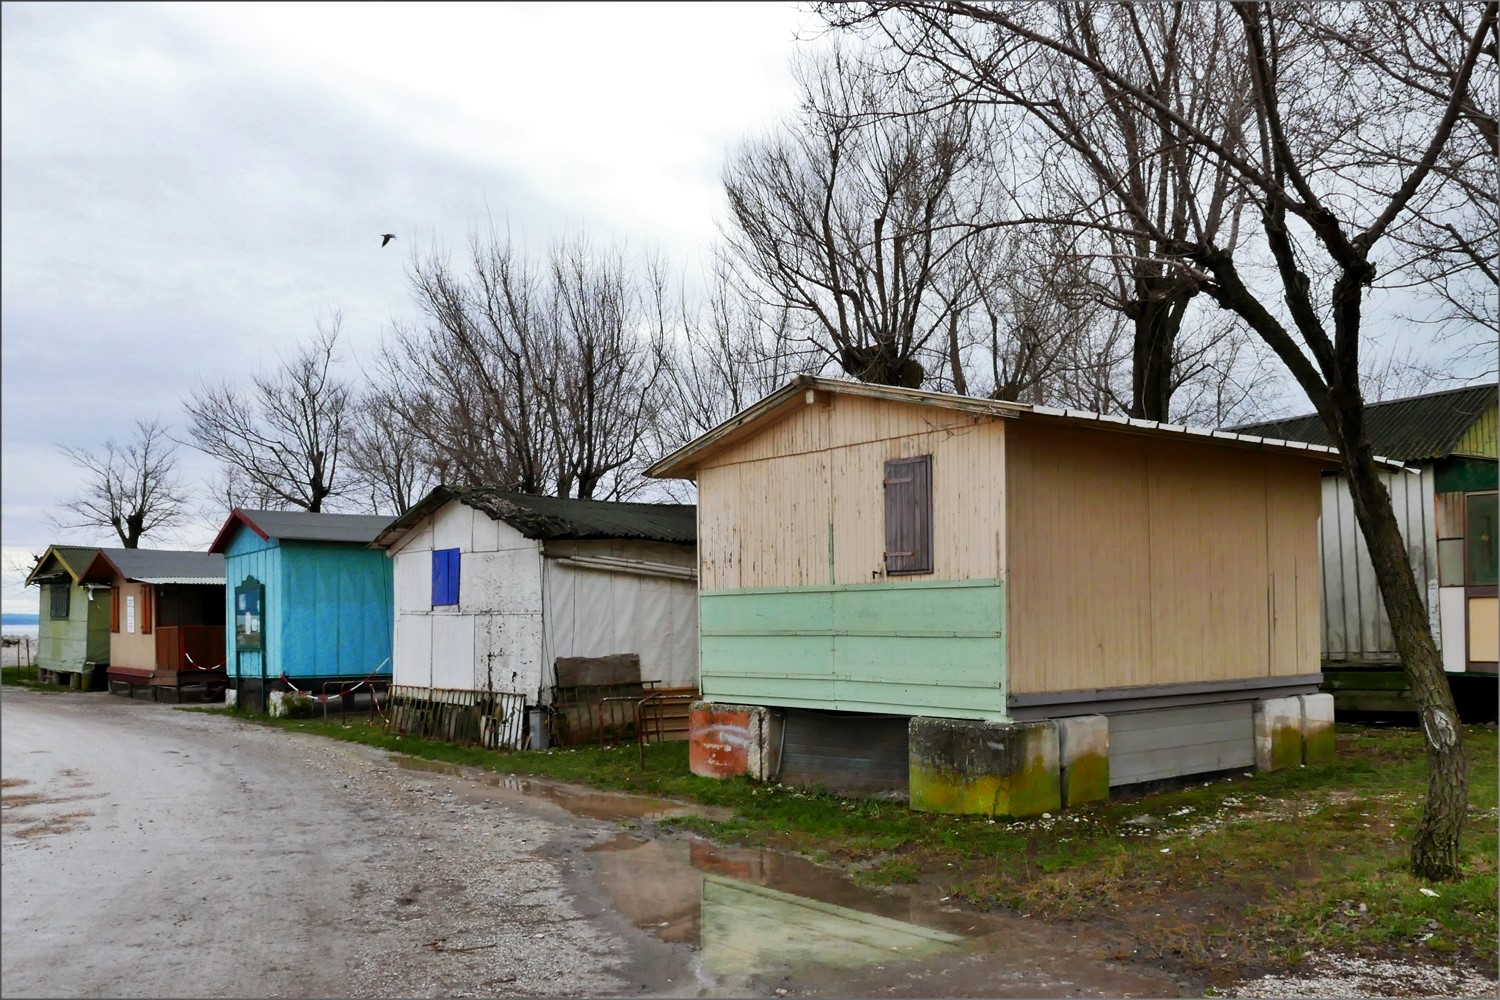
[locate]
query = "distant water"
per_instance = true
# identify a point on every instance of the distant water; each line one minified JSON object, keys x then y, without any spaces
{"x":13,"y":623}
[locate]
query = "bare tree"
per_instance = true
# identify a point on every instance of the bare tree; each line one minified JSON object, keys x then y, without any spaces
{"x":131,"y":488}
{"x":282,"y":439}
{"x":731,"y":352}
{"x":1342,"y":148}
{"x":853,"y":216}
{"x":386,"y":456}
{"x":538,"y":376}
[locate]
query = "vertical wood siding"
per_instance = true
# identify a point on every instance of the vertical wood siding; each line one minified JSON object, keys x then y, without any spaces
{"x":802,"y":503}
{"x":1355,"y":625}
{"x":250,"y":555}
{"x":1137,"y":561}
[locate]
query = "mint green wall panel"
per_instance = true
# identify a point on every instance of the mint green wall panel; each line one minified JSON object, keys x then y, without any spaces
{"x":906,"y":610}
{"x":929,"y":660}
{"x":902,"y":648}
{"x":763,"y":612}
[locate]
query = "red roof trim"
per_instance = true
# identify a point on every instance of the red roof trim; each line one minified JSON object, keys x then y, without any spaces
{"x":109,"y":570}
{"x":236,"y":516}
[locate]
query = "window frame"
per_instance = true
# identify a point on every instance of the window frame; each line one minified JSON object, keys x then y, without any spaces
{"x":65,"y":591}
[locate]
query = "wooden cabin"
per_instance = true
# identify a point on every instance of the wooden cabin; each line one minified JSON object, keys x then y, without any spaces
{"x":166,"y":622}
{"x":1445,"y":503}
{"x":310,"y":602}
{"x":73,"y":621}
{"x":996,"y":607}
{"x":505,"y":599}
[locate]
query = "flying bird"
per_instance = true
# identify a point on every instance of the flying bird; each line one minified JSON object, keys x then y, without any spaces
{"x":386,"y":238}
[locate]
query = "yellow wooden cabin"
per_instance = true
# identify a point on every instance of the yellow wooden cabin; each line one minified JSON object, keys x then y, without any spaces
{"x":954,"y":598}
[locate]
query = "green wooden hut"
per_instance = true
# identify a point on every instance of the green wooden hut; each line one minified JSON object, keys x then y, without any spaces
{"x":73,"y":622}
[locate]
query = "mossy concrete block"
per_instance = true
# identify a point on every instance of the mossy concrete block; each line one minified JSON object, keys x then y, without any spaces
{"x":978,"y":768}
{"x":291,"y":705}
{"x":1318,"y":740}
{"x":1278,"y":733}
{"x":1083,"y":757}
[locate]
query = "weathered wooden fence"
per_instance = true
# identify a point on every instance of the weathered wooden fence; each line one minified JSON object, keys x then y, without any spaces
{"x":491,"y":719}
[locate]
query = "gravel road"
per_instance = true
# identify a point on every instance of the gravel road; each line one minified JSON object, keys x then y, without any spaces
{"x":153,"y":852}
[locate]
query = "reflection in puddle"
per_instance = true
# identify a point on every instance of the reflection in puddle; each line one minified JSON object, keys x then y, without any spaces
{"x":733,"y":905}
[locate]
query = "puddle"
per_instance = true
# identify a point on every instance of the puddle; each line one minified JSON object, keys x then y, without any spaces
{"x":585,"y":802}
{"x":771,"y":923}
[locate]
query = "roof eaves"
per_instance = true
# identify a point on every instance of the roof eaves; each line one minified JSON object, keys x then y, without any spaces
{"x":435,"y":498}
{"x":236,"y":516}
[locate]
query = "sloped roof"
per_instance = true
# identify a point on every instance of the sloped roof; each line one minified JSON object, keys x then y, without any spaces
{"x":74,"y":559}
{"x":1411,"y":429}
{"x":556,"y":518}
{"x":299,"y":525}
{"x":156,"y":566}
{"x":683,"y":462}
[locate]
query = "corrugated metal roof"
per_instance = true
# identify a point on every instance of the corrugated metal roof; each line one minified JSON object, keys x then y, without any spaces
{"x":557,"y":518}
{"x":157,"y":566}
{"x":74,"y":559}
{"x":1411,"y":429}
{"x":682,"y":463}
{"x":300,"y":525}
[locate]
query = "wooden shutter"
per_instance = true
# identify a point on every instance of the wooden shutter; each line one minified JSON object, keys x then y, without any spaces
{"x":114,"y":609}
{"x":148,"y":598}
{"x":908,"y":515}
{"x":444,"y":577}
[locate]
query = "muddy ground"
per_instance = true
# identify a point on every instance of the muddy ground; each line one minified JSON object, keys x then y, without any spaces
{"x":154,"y":852}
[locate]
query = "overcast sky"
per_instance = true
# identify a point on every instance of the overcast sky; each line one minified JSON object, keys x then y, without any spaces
{"x":187,"y":187}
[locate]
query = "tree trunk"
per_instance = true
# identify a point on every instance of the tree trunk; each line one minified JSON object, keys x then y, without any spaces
{"x":955,"y":362}
{"x":1157,"y":318}
{"x":1435,"y":848}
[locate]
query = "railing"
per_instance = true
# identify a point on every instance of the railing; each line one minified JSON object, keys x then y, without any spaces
{"x":190,"y":647}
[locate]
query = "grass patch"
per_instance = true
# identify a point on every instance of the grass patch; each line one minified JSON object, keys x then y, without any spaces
{"x":26,"y":677}
{"x":1253,"y":871}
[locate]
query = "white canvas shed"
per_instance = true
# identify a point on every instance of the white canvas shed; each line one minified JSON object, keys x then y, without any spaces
{"x":492,"y":587}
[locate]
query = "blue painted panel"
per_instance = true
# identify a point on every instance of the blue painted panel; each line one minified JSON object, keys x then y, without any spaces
{"x":250,"y":555}
{"x":336,"y":614}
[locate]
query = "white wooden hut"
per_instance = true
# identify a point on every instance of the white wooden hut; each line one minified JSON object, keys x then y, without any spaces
{"x":493,"y":588}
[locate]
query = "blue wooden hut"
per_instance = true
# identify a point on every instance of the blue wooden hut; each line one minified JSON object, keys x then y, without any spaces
{"x":309,"y":602}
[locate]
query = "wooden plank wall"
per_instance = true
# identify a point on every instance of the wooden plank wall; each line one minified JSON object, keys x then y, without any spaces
{"x":802,"y":503}
{"x":1137,"y":561}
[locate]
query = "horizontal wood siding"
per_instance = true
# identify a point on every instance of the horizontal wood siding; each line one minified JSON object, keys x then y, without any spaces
{"x":803,"y":504}
{"x":897,"y":648}
{"x":1170,"y":742}
{"x":1136,"y":561}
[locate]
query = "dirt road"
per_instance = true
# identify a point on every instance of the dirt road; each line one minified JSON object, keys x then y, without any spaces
{"x":154,"y":852}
